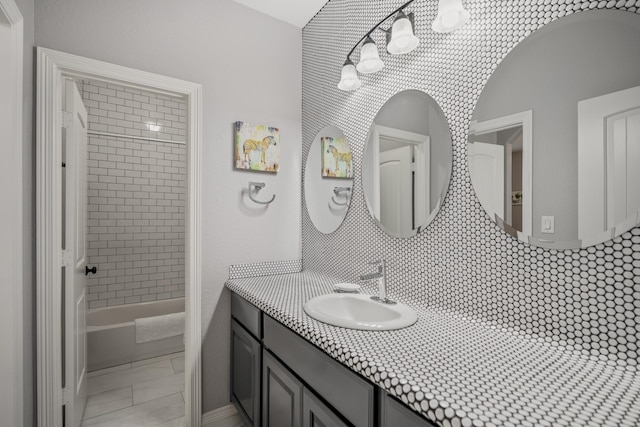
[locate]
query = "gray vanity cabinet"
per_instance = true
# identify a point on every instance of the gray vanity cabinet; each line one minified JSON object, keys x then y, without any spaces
{"x":278,"y":379}
{"x":350,"y":395}
{"x":246,"y":359}
{"x":281,"y":395}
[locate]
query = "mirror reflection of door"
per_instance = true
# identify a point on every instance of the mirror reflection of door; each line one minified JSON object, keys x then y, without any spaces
{"x":403,"y":178}
{"x":396,"y":188}
{"x":609,"y":194}
{"x":495,"y":161}
{"x":499,"y":156}
{"x":623,"y":174}
{"x":486,"y":167}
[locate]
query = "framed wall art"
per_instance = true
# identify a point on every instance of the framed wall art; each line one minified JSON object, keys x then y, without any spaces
{"x":257,"y":147}
{"x":336,"y":158}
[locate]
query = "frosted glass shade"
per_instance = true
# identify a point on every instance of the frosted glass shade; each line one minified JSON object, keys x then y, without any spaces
{"x":349,"y":78}
{"x":370,"y":61}
{"x":402,"y":40}
{"x":451,"y":16}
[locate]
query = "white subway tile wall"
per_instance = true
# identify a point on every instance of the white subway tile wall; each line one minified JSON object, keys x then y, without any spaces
{"x":136,"y":195}
{"x":129,"y":111}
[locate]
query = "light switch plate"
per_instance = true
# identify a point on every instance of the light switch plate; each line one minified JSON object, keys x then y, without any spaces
{"x":548,"y":225}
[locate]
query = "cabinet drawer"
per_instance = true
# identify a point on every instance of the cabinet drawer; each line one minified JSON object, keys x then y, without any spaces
{"x":350,"y":395}
{"x":246,"y":314}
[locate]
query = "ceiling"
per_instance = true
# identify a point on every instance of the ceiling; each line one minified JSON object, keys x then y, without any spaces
{"x":296,"y":12}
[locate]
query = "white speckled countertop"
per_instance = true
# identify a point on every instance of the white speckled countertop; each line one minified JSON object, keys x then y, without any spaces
{"x":456,"y":371}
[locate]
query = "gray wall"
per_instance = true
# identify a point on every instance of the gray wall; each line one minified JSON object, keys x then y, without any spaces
{"x":28,"y":215}
{"x":250,"y":69}
{"x":549,"y":73}
{"x":136,"y":195}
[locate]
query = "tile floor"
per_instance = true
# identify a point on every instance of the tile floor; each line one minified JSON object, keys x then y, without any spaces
{"x":230,"y":421}
{"x":148,"y":393}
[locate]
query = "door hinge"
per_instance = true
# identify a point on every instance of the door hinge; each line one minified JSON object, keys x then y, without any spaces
{"x":66,"y":258}
{"x":66,"y":396}
{"x":67,"y":119}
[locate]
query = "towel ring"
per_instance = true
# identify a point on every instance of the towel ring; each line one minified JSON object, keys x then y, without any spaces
{"x":258,"y":186}
{"x":337,"y":191}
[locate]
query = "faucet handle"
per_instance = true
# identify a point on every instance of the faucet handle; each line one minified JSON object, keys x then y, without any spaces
{"x":375,"y":262}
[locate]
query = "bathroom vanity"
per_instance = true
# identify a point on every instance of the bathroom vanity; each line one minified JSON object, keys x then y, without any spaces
{"x":290,"y":370}
{"x":280,"y":379}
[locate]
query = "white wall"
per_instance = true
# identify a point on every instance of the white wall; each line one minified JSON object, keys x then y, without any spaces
{"x":18,"y":362}
{"x":7,"y":228}
{"x":250,"y":68}
{"x":28,"y":216}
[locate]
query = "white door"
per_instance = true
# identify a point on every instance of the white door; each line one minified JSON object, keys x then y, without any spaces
{"x":396,"y":193}
{"x":623,"y":173}
{"x":486,"y":167}
{"x":607,"y":141}
{"x":74,"y":192}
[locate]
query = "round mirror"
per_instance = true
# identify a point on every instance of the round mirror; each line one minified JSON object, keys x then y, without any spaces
{"x":554,"y":142}
{"x":406,"y":165}
{"x":328,"y":179}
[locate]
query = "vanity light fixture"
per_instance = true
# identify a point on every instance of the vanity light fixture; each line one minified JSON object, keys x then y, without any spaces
{"x":451,"y":16}
{"x":400,"y":38}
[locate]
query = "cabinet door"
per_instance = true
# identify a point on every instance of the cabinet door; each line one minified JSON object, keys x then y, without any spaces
{"x":394,"y":413}
{"x":317,"y":414}
{"x":281,"y":395}
{"x":245,"y":372}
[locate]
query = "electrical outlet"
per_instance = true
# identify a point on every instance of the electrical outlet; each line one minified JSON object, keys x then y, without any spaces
{"x":548,"y":225}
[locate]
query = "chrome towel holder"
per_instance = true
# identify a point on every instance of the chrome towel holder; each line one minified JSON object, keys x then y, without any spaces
{"x":257,"y":186}
{"x":337,"y":191}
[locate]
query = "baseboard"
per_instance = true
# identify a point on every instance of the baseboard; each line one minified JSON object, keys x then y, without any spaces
{"x":219,"y":414}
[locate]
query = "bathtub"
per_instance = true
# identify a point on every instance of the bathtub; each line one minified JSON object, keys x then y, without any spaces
{"x":111,"y":335}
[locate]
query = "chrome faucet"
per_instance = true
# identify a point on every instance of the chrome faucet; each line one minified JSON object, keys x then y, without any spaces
{"x":381,"y":276}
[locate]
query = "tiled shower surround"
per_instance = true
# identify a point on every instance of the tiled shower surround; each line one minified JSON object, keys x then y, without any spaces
{"x":136,"y":195}
{"x":584,"y":300}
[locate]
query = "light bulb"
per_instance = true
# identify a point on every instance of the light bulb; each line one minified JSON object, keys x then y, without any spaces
{"x":370,"y":61}
{"x":349,"y":77}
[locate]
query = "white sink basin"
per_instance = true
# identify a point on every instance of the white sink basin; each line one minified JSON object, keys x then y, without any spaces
{"x":358,"y":311}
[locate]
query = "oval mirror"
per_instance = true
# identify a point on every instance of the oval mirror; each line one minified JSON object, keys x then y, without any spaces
{"x":554,"y":142}
{"x":406,"y":165}
{"x":328,"y":179}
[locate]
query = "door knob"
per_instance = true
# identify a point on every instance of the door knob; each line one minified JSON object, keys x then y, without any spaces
{"x":92,"y":270}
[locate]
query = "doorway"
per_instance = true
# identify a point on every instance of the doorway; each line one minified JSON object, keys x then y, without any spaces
{"x":54,"y":69}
